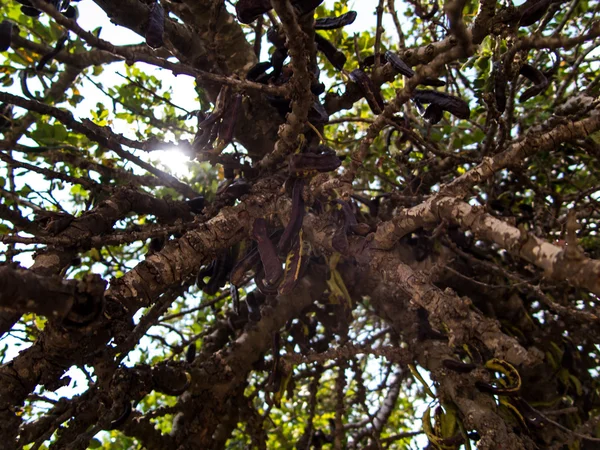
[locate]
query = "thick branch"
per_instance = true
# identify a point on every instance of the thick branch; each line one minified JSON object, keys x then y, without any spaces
{"x":24,"y":291}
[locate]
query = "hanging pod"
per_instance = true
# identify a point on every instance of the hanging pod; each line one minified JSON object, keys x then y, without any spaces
{"x":539,"y":80}
{"x":331,"y":23}
{"x":6,"y":28}
{"x":156,"y":26}
{"x":454,"y":105}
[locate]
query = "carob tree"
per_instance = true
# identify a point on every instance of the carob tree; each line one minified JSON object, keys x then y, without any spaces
{"x":380,"y":237}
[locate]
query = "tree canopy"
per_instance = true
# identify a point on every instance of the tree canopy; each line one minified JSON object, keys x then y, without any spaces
{"x":384,"y":236}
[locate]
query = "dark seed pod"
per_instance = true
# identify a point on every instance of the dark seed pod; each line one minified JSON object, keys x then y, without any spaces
{"x":268,"y":254}
{"x":277,"y":59}
{"x":331,"y":23}
{"x":335,"y":57}
{"x":317,"y":88}
{"x":70,"y":12}
{"x":227,"y":127}
{"x":490,"y":389}
{"x":296,"y":216}
{"x":5,"y":35}
{"x":205,"y":272}
{"x":458,"y":366}
{"x":371,"y":92}
{"x":296,"y":264}
{"x":122,"y":418}
{"x":399,"y":65}
{"x":190,"y":353}
{"x":433,"y":114}
{"x":447,"y":102}
{"x":532,"y":92}
{"x":499,"y":86}
{"x":196,"y":204}
{"x":176,"y":391}
{"x":248,"y":11}
{"x":254,"y":314}
{"x":51,"y":54}
{"x":537,"y":77}
{"x":257,"y":70}
{"x":220,"y":274}
{"x":156,"y":26}
{"x":30,"y":11}
{"x":532,"y":74}
{"x":235,"y":298}
{"x":435,"y":82}
{"x":533,"y":11}
{"x":427,"y":15}
{"x":262,"y":286}
{"x":275,"y":37}
{"x":304,"y":164}
{"x":370,"y":60}
{"x":305,"y":6}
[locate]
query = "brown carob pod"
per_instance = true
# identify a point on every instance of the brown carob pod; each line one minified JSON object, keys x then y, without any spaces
{"x":235,"y":298}
{"x":499,"y":85}
{"x":296,"y":264}
{"x":254,"y":314}
{"x":331,"y":23}
{"x":305,"y":6}
{"x":435,"y":82}
{"x":306,"y":164}
{"x":533,"y":11}
{"x":227,"y":127}
{"x":458,"y":366}
{"x":296,"y":216}
{"x":5,"y":35}
{"x":433,"y":114}
{"x":190,"y":353}
{"x":447,"y":102}
{"x":248,"y":11}
{"x":333,"y":55}
{"x":268,"y":253}
{"x":399,"y":65}
{"x":255,"y":73}
{"x":539,"y":80}
{"x":156,"y":26}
